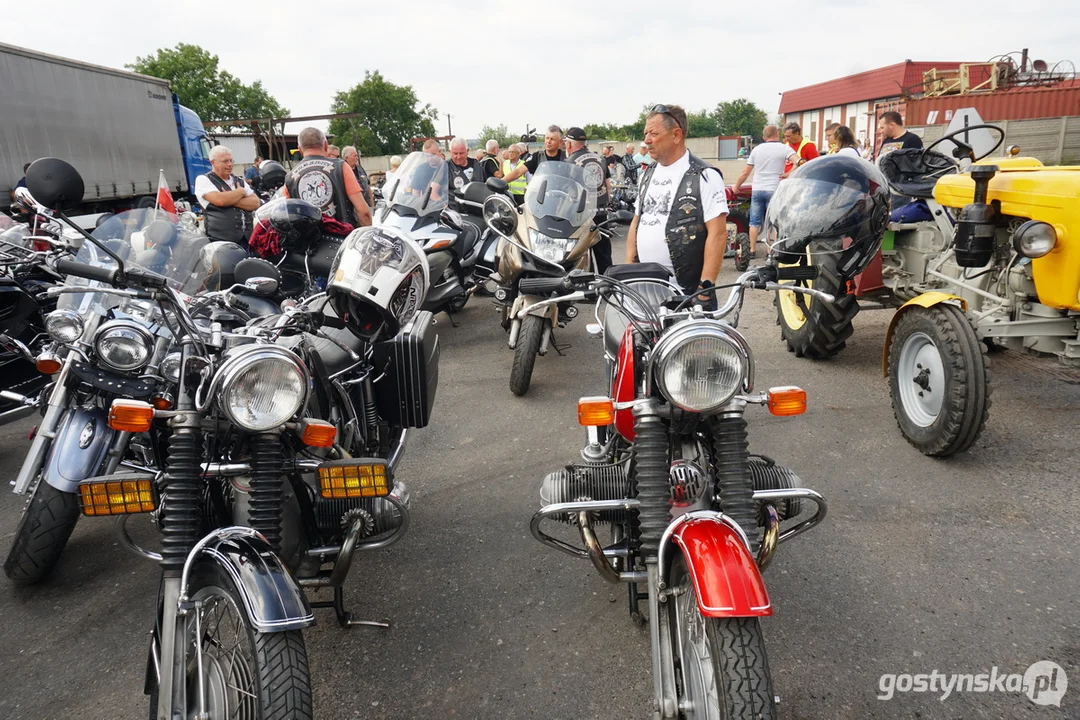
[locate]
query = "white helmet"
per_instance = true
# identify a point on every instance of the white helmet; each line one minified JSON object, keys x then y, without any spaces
{"x":378,"y":281}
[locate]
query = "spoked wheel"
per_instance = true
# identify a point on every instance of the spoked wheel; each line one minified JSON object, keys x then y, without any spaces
{"x":812,"y":328}
{"x":938,"y":380}
{"x":721,"y":669}
{"x":529,"y":340}
{"x":245,"y":674}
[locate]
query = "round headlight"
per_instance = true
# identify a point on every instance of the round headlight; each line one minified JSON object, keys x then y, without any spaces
{"x":699,"y":367}
{"x":64,"y":326}
{"x":262,"y":389}
{"x":170,"y":367}
{"x":1034,"y":239}
{"x":123,"y":345}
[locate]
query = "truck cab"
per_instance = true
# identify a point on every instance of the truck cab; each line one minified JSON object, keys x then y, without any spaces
{"x":194,"y":143}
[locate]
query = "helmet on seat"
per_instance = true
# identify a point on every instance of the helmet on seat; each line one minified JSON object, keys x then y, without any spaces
{"x":272,"y":175}
{"x":835,"y":198}
{"x":293,"y":219}
{"x":378,"y":281}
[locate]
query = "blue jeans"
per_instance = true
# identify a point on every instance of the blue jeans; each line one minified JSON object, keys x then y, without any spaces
{"x":759,"y":204}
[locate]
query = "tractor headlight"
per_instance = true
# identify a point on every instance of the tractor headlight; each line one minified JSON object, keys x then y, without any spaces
{"x":1034,"y":239}
{"x":123,"y":345}
{"x":64,"y":326}
{"x":261,"y":388}
{"x":549,"y":248}
{"x":700,"y":365}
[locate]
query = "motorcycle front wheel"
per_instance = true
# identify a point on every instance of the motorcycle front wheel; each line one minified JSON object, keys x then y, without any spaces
{"x":533,"y":328}
{"x":245,"y":673}
{"x":46,"y":524}
{"x":721,"y":669}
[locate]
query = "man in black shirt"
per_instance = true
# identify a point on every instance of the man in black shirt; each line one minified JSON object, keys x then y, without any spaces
{"x":611,"y":160}
{"x":489,"y":165}
{"x":596,"y":178}
{"x":462,"y":167}
{"x":894,"y":137}
{"x":553,"y":152}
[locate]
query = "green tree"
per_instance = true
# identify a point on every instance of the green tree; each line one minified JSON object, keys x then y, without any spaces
{"x":740,"y":117}
{"x":702,"y":124}
{"x":500,"y":133}
{"x":213,"y":94}
{"x":390,"y":116}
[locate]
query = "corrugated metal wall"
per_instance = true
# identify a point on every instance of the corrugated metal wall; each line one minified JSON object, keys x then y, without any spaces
{"x":1054,"y":141}
{"x":1028,"y":104}
{"x":243,"y":147}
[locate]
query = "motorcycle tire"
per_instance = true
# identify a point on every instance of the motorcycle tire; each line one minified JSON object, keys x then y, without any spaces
{"x":742,"y":252}
{"x":720,"y":663}
{"x":939,"y":380}
{"x":530,"y":338}
{"x":274,"y":665}
{"x":812,"y":328}
{"x":45,"y":527}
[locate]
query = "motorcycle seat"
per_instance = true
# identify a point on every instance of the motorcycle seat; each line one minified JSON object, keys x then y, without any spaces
{"x":638,"y":271}
{"x":467,"y":239}
{"x":914,"y":172}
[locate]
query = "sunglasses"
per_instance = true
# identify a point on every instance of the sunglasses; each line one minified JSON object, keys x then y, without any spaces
{"x":665,"y":110}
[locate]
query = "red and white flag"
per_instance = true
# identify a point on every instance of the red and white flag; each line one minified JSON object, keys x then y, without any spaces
{"x":164,"y":197}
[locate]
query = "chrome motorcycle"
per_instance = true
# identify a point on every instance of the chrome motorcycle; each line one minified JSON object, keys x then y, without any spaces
{"x":694,"y":517}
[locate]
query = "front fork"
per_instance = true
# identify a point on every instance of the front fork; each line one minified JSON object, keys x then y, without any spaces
{"x":39,"y":448}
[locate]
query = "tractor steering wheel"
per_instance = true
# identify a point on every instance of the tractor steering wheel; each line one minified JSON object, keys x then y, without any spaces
{"x":962,"y":149}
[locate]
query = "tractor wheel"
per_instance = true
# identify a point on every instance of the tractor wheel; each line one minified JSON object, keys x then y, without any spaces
{"x":812,"y":328}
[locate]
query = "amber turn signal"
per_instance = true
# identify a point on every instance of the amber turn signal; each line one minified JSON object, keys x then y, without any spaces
{"x":117,"y":497}
{"x":595,"y":411}
{"x":785,"y":401}
{"x":162,"y":401}
{"x":131,"y":415}
{"x":317,"y":433}
{"x":48,"y":364}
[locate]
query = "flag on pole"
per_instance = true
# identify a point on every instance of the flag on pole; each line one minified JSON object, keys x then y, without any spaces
{"x":164,"y":197}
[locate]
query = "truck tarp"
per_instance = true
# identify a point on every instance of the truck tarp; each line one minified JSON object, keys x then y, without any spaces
{"x":117,"y":128}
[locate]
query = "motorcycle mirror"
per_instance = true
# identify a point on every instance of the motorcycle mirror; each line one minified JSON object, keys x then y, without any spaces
{"x":262,"y":285}
{"x":54,"y":184}
{"x":624,"y":217}
{"x":500,"y":214}
{"x":259,"y":271}
{"x":497,"y":184}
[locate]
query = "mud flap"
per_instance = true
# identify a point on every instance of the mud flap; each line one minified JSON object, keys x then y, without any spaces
{"x":926,"y":300}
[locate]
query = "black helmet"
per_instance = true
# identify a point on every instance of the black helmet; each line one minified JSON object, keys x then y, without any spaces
{"x":832,"y":204}
{"x":216,"y":264}
{"x":293,"y":219}
{"x":272,"y":175}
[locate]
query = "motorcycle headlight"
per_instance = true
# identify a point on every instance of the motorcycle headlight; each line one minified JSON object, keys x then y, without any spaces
{"x":64,"y":326}
{"x":261,"y":388}
{"x":700,"y":365}
{"x":1034,"y":239}
{"x":549,"y":248}
{"x":123,"y":345}
{"x":170,"y":367}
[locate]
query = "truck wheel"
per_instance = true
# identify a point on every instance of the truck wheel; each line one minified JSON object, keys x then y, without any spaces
{"x":812,"y":328}
{"x":938,"y":380}
{"x":146,"y":203}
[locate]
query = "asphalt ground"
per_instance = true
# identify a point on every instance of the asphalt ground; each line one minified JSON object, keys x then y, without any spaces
{"x":959,"y":566}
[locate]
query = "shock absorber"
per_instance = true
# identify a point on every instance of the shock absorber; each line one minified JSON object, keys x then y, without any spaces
{"x":649,"y":477}
{"x":267,"y":495}
{"x":183,"y":500}
{"x":731,"y":467}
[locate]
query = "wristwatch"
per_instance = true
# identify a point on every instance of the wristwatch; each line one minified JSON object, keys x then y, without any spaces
{"x":705,"y":285}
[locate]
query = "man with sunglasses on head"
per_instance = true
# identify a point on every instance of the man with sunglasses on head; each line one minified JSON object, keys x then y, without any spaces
{"x":681,"y":218}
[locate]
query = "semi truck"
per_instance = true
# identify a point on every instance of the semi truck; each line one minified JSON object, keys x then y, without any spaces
{"x":119,"y":129}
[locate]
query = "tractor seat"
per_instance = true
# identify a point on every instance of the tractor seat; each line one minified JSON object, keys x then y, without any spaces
{"x":914,"y":172}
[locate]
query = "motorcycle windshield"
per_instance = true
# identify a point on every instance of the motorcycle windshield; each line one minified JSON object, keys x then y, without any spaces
{"x":558,"y":190}
{"x":152,"y":240}
{"x":421,"y":184}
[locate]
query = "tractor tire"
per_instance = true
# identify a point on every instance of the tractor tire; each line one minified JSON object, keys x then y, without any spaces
{"x":812,"y":328}
{"x":742,"y":252}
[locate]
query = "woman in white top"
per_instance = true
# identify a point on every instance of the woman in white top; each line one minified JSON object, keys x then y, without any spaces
{"x":844,"y":140}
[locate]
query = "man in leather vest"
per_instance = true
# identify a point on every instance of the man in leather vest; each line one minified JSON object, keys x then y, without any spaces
{"x":327,"y":183}
{"x":596,"y":176}
{"x":226,"y":199}
{"x":681,"y":218}
{"x":553,"y":152}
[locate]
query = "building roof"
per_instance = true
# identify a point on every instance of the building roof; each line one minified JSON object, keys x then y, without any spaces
{"x":1021,"y":103}
{"x":886,"y":82}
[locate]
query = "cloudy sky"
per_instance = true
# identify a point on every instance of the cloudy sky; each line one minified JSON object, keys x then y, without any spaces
{"x":539,"y":63}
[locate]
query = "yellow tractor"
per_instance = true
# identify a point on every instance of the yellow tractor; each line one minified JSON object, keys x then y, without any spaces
{"x":993,"y":261}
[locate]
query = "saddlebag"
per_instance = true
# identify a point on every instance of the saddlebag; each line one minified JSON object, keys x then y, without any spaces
{"x":409,"y":366}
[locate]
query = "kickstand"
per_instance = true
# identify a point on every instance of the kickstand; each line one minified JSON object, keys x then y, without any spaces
{"x":450,"y":316}
{"x":557,"y":347}
{"x":344,"y":617}
{"x":635,"y":611}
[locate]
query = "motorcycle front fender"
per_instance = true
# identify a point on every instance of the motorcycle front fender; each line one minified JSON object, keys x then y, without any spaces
{"x":79,"y":449}
{"x":726,"y":579}
{"x":273,"y":600}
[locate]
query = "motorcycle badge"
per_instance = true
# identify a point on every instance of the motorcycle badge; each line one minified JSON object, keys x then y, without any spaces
{"x":87,"y":434}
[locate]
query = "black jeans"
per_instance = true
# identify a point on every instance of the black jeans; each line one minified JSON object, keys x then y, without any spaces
{"x":602,"y":248}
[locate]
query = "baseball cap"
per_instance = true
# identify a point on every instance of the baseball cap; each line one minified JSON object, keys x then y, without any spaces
{"x":576,"y":133}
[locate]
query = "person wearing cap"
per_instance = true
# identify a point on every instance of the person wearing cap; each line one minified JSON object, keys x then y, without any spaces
{"x":553,"y":152}
{"x":596,"y":178}
{"x":642,"y":159}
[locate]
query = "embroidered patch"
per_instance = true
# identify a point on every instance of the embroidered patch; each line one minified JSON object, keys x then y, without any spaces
{"x":687,"y":208}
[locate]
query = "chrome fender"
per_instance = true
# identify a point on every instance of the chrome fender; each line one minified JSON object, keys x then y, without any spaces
{"x":79,"y":449}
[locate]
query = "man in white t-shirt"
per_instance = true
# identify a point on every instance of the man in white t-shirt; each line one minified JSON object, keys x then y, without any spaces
{"x":681,"y":219}
{"x":226,"y":199}
{"x":767,"y":162}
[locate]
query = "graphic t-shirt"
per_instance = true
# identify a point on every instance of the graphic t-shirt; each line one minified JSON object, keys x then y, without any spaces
{"x":907,"y":140}
{"x":768,"y":161}
{"x":654,"y":206}
{"x":461,"y":176}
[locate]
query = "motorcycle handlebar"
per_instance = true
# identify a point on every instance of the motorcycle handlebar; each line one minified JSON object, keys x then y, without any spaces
{"x":543,"y":286}
{"x":90,"y":272}
{"x":798,"y":272}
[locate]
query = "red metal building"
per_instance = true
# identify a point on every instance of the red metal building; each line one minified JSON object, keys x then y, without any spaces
{"x":1022,"y":103}
{"x":851,"y":100}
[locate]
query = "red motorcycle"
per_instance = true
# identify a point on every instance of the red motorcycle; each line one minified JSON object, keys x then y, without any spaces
{"x":694,"y":517}
{"x":738,"y":227}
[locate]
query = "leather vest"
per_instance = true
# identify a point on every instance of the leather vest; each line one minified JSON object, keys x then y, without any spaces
{"x":686,"y":232}
{"x":321,"y":181}
{"x":594,"y":167}
{"x":226,"y":223}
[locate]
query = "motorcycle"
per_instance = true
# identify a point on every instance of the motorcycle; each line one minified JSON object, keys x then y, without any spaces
{"x":549,"y":236}
{"x":416,"y":203}
{"x":273,"y":458}
{"x":694,"y":517}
